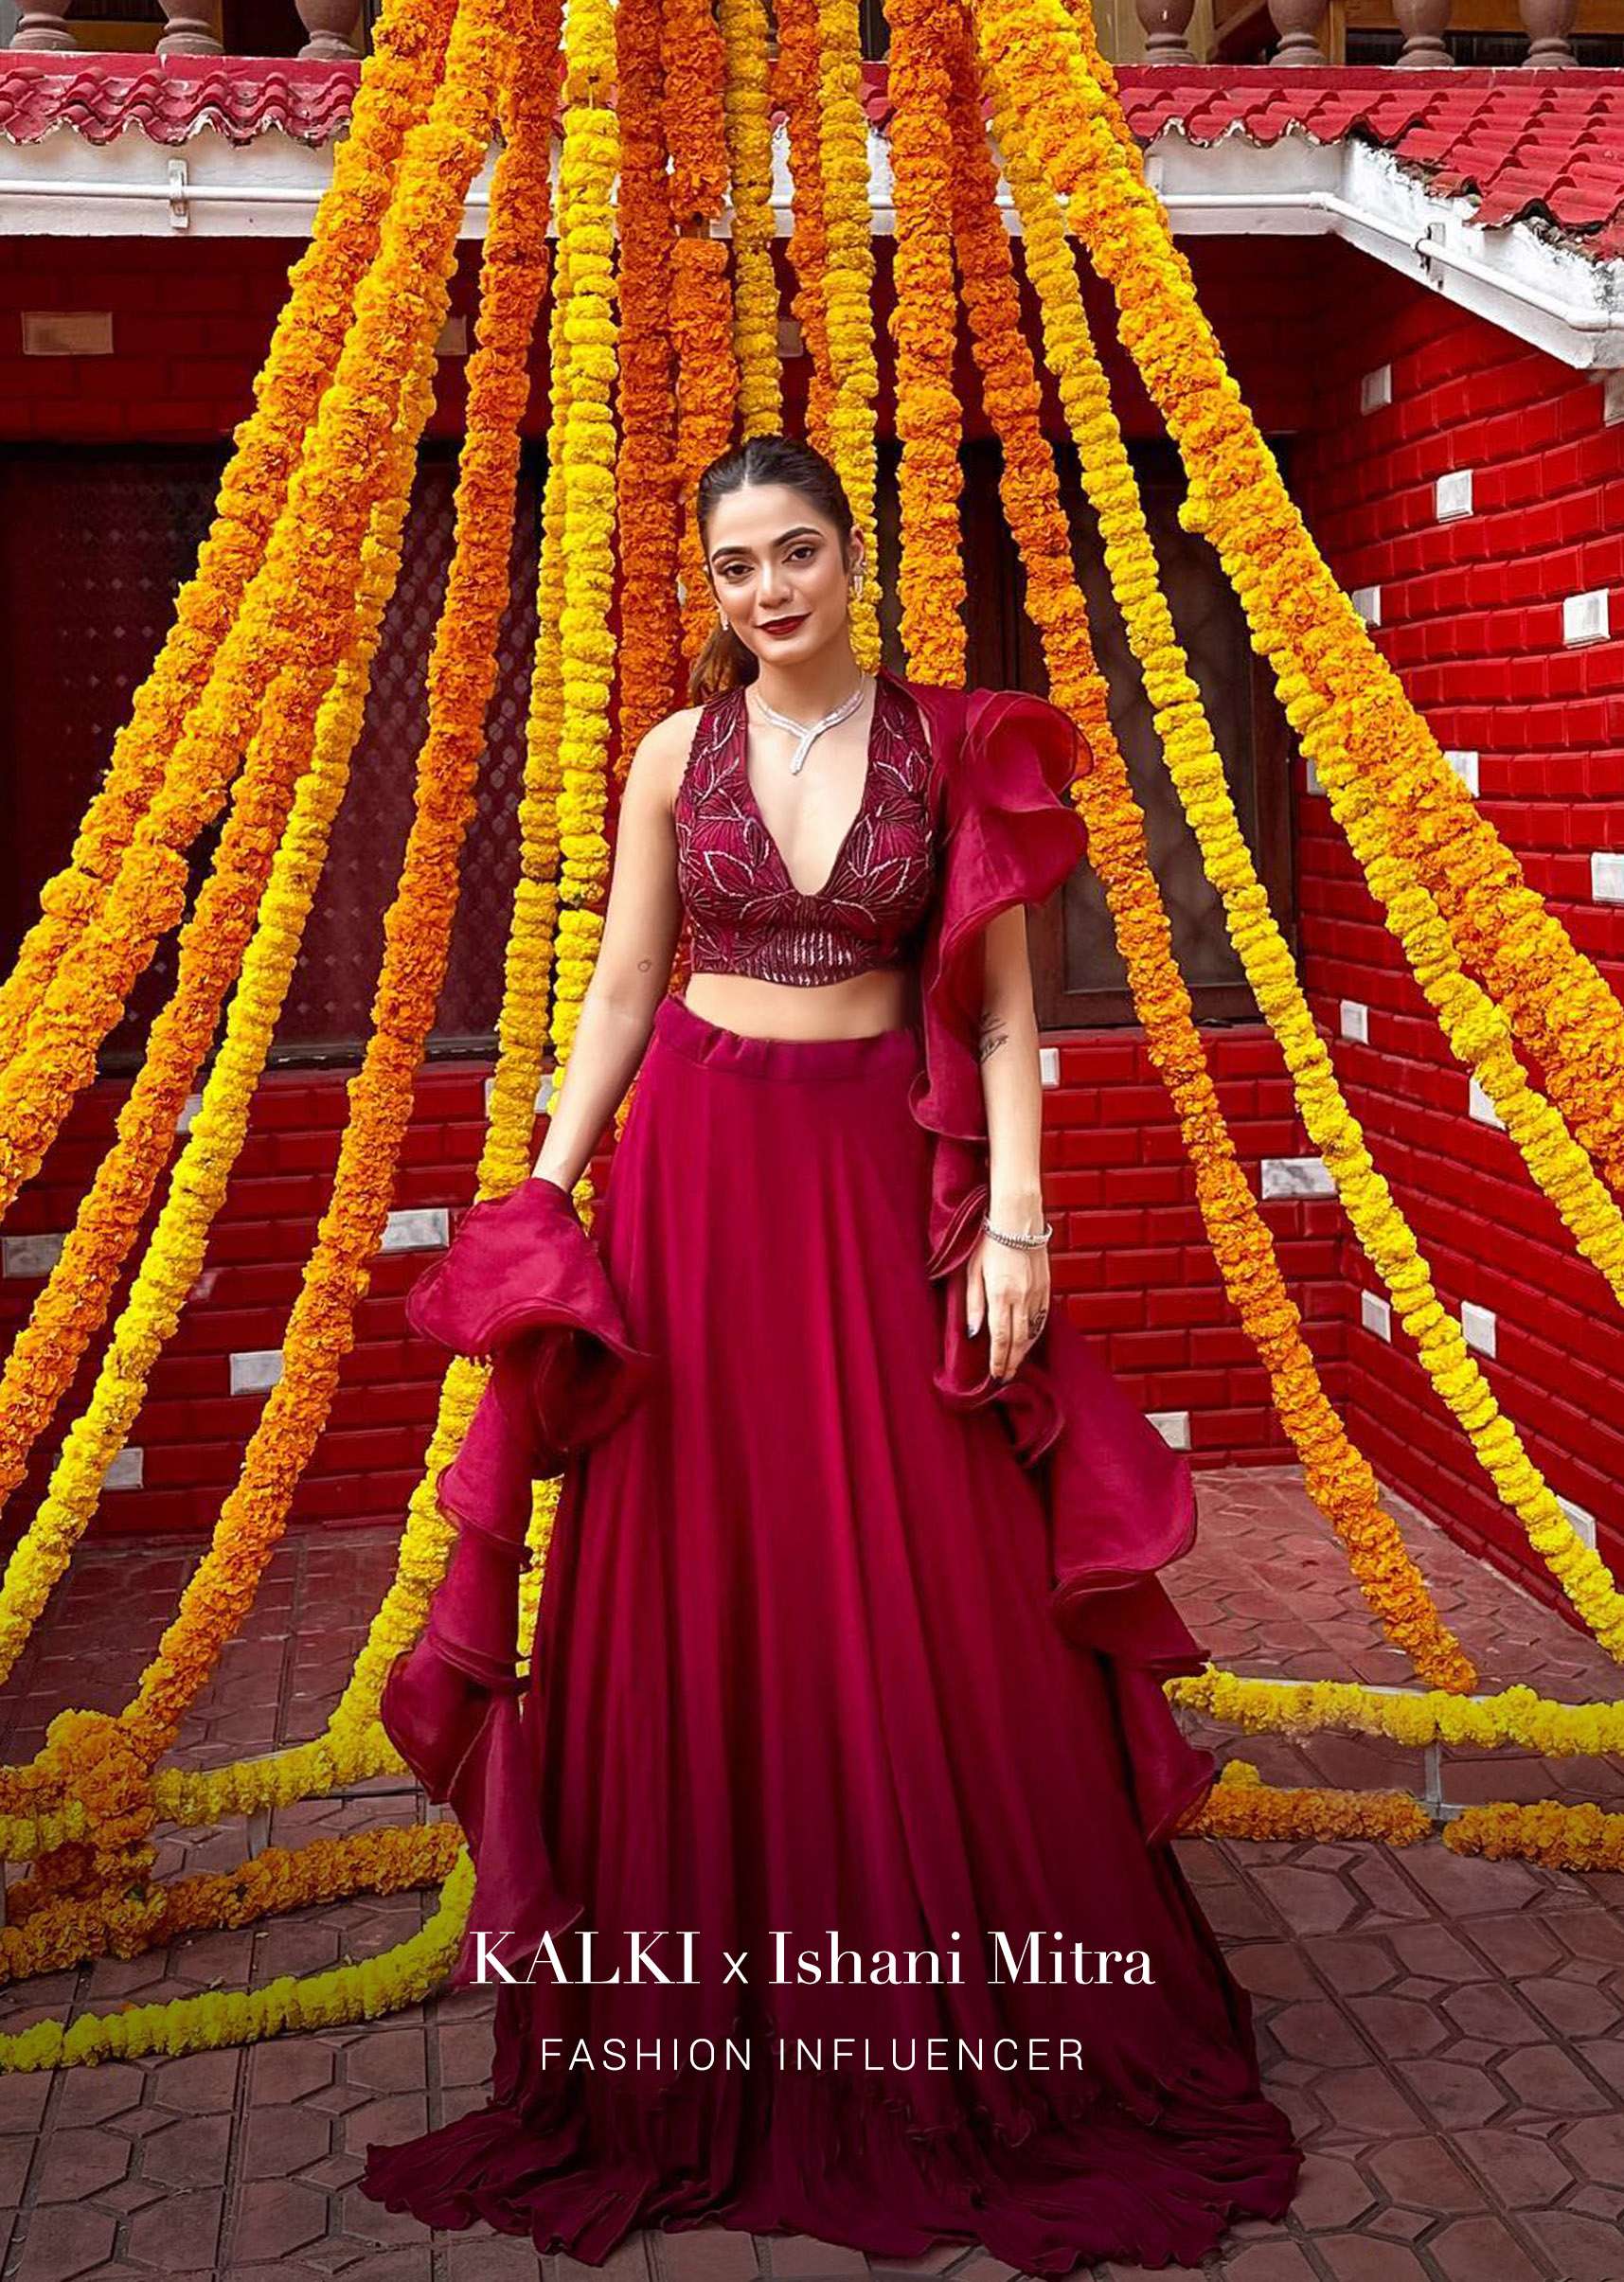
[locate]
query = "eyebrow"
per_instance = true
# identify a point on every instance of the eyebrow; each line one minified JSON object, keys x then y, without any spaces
{"x":801,"y":530}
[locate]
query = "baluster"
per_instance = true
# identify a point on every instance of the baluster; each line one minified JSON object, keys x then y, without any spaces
{"x":187,"y":30}
{"x":1297,"y":22}
{"x":333,"y":26}
{"x":1547,"y":23}
{"x":1424,"y":23}
{"x":44,"y":30}
{"x":1166,"y":27}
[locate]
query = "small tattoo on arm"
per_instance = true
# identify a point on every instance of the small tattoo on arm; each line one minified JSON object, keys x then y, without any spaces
{"x":644,"y":964}
{"x":994,"y":1034}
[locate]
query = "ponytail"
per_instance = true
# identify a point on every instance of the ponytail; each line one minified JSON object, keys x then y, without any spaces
{"x":724,"y":663}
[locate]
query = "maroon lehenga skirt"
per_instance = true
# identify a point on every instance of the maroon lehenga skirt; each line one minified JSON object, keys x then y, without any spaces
{"x":797,"y":1684}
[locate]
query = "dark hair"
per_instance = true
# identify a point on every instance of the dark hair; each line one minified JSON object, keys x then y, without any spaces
{"x":725,"y":661}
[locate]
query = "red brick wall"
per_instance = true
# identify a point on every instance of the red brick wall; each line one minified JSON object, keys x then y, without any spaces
{"x":1472,"y":618}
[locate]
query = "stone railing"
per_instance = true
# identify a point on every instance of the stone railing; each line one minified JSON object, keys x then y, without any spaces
{"x":1423,"y":23}
{"x":333,"y":27}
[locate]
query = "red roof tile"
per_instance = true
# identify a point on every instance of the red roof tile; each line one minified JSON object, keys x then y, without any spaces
{"x":98,"y":95}
{"x":1549,"y":145}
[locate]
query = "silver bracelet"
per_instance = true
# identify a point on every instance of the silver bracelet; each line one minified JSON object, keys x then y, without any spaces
{"x":1024,"y":1244}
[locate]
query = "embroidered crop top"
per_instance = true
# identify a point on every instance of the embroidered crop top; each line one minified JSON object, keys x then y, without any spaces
{"x":747,"y":914}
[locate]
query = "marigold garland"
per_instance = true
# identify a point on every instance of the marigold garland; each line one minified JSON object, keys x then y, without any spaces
{"x":796,"y":92}
{"x":1299,"y":1707}
{"x":648,"y":481}
{"x":848,"y":296}
{"x":297,"y":619}
{"x":1338,"y":1477}
{"x":1340,"y":693}
{"x":749,"y":164}
{"x":1241,"y":1805}
{"x":700,"y":299}
{"x":924,"y":327}
{"x":1560,"y":1837}
{"x":408,"y":54}
{"x":1197,"y":772}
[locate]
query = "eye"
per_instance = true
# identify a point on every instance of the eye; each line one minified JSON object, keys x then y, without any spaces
{"x":806,"y":548}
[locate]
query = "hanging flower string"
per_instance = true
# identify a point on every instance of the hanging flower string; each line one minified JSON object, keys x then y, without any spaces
{"x":1338,"y":1477}
{"x":408,"y":54}
{"x":750,"y":166}
{"x":1198,"y":774}
{"x":924,"y":329}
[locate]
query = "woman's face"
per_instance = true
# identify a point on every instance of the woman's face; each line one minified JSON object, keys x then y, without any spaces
{"x":778,"y":573}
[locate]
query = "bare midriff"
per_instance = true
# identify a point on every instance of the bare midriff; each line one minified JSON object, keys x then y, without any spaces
{"x":853,"y":1007}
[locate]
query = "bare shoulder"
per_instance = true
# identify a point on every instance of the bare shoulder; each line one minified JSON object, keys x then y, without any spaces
{"x":663,"y":753}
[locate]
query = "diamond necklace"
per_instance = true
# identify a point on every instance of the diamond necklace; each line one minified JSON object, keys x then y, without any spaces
{"x":800,"y":730}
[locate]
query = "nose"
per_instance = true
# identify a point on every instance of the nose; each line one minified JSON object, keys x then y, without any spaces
{"x":775,"y":587}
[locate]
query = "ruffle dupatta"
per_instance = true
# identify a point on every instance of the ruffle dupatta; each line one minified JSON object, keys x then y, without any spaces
{"x":523,"y":1283}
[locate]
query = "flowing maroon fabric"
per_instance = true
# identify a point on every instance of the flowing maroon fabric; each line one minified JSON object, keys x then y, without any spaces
{"x":838,"y":1637}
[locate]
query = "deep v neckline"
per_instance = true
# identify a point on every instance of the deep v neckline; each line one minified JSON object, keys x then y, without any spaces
{"x":817,"y":893}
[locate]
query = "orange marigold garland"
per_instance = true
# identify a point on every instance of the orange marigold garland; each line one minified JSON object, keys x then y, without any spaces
{"x":796,"y":91}
{"x":407,"y":58}
{"x":647,"y":479}
{"x":1338,"y":1476}
{"x":924,"y":327}
{"x":700,"y":297}
{"x":462,"y":673}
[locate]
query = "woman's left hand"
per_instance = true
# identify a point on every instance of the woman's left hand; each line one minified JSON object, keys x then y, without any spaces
{"x":1008,"y":1289}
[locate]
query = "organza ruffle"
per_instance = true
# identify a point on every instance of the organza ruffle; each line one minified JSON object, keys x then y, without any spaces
{"x":523,"y":1282}
{"x":1121,"y":1502}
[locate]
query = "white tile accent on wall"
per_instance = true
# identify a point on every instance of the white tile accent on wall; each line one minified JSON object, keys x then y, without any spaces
{"x":1312,"y":784}
{"x":1375,"y":389}
{"x":1584,"y":1522}
{"x":1613,"y":399}
{"x":1607,"y":875}
{"x":255,"y":1370}
{"x":1173,"y":1427}
{"x":1355,"y":1021}
{"x":1367,"y":602}
{"x":1451,"y":494}
{"x":1049,"y":1065}
{"x":1585,"y":617}
{"x":1481,"y":1107}
{"x":1465,"y":766}
{"x":1375,"y":1314}
{"x":187,"y":1117}
{"x":31,"y":1255}
{"x":1297,"y":1177}
{"x":417,"y":1228}
{"x":125,"y":1470}
{"x":1479,"y":1326}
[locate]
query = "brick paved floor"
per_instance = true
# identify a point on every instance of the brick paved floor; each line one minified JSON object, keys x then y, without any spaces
{"x":1443,"y":2031}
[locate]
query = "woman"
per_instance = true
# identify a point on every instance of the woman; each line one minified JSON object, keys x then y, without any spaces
{"x":846,"y":1711}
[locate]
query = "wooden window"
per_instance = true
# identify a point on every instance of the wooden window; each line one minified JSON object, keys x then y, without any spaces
{"x":1079,"y":976}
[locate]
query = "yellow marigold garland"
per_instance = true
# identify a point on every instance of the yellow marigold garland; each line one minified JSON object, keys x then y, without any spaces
{"x":42,"y":1363}
{"x":848,"y":296}
{"x":586,"y":449}
{"x":796,"y":91}
{"x":295,"y":623}
{"x":409,"y":42}
{"x":750,"y":164}
{"x":924,"y":329}
{"x":1198,"y":773}
{"x":1516,"y":1716}
{"x":1345,"y":701}
{"x":1338,"y":1477}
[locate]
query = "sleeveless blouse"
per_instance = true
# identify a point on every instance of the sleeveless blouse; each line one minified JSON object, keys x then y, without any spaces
{"x":746,"y":914}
